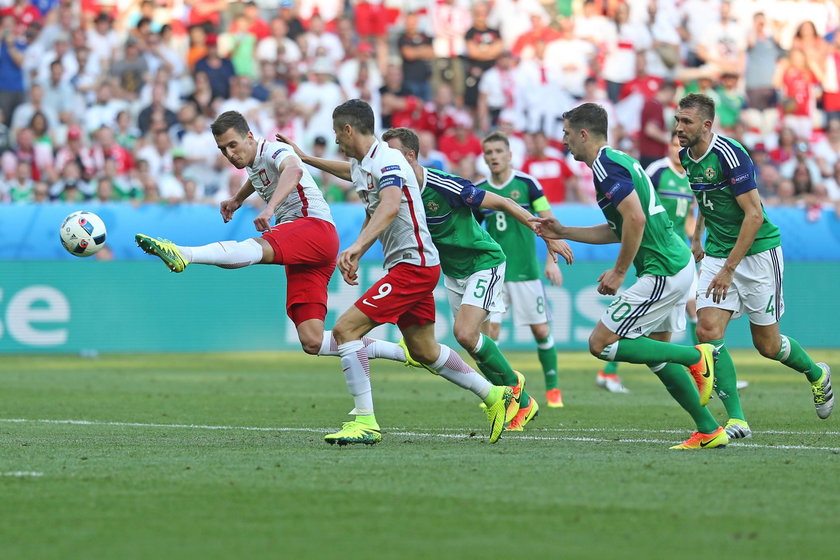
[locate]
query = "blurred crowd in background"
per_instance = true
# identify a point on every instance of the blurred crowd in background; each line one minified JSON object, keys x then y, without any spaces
{"x":111,"y":100}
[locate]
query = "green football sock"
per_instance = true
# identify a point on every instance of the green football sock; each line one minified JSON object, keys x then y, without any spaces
{"x":493,"y":364}
{"x":692,"y":331}
{"x":644,"y":350}
{"x":680,"y":385}
{"x":795,"y":357}
{"x":610,"y":368}
{"x":547,"y":354}
{"x":726,"y":381}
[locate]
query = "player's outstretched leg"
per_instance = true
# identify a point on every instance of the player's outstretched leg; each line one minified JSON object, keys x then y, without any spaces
{"x":547,"y":354}
{"x":364,"y":429}
{"x":607,"y":378}
{"x":224,"y":254}
{"x":495,"y":367}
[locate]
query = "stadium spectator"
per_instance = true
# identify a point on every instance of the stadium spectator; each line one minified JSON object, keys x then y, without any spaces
{"x":35,"y":104}
{"x":558,"y":181}
{"x":762,"y":55}
{"x":417,"y":55}
{"x":497,"y":91}
{"x":430,"y":156}
{"x":289,"y":14}
{"x":158,"y":155}
{"x":102,"y":40}
{"x":450,"y":21}
{"x":832,"y":183}
{"x":172,"y":186}
{"x":218,"y":70}
{"x":539,"y":32}
{"x":319,"y":38}
{"x":315,"y":99}
{"x":38,"y":156}
{"x":60,"y":95}
{"x":513,"y":18}
{"x":269,"y":80}
{"x":828,"y":74}
{"x":795,"y":78}
{"x":20,"y":187}
{"x":239,"y":45}
{"x":240,"y":98}
{"x":106,"y":148}
{"x":255,"y":23}
{"x":278,"y":46}
{"x":541,"y":97}
{"x":573,"y":57}
{"x":76,"y":150}
{"x":625,"y":41}
{"x":484,"y":45}
{"x":827,"y":150}
{"x":802,"y":160}
{"x":437,"y":115}
{"x":206,"y":101}
{"x":731,"y":102}
{"x":360,"y":73}
{"x":663,"y":58}
{"x":722,"y":46}
{"x":655,"y":135}
{"x":12,"y":91}
{"x":71,"y":187}
{"x":156,"y":107}
{"x":786,"y":147}
{"x":459,"y":142}
{"x":394,"y":98}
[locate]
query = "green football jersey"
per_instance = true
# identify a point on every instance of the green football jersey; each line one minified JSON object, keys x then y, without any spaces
{"x":674,"y":191}
{"x":464,"y":247}
{"x":662,"y":252}
{"x":517,"y":241}
{"x":724,"y":172}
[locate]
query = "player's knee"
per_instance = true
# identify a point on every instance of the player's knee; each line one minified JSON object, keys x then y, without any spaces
{"x":310,"y":345}
{"x":768,"y":348}
{"x":466,"y":337}
{"x":540,"y":332}
{"x":595,"y":347}
{"x":708,"y":332}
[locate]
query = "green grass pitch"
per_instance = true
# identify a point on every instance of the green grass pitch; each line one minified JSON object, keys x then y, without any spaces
{"x":221,"y":456}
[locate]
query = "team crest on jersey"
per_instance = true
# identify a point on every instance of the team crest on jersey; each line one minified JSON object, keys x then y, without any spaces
{"x":515,"y":195}
{"x":432,"y":205}
{"x":370,"y":182}
{"x":264,"y":177}
{"x":710,"y":173}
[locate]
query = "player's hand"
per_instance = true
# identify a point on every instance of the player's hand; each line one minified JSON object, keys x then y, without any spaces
{"x":552,"y":273}
{"x":263,"y":220}
{"x":228,"y":207}
{"x":719,"y":285}
{"x":559,"y":247}
{"x":286,"y":140}
{"x":609,"y":282}
{"x":697,"y":250}
{"x":547,"y":228}
{"x":348,"y":265}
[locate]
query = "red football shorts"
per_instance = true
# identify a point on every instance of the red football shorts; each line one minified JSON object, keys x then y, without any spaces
{"x":308,"y":248}
{"x":403,"y":296}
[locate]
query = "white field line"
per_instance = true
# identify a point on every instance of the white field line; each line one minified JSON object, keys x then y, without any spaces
{"x":21,"y":473}
{"x":459,"y":433}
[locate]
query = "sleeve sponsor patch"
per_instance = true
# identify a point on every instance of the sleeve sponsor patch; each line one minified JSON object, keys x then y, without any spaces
{"x":388,"y":168}
{"x":391,"y":181}
{"x":277,"y":153}
{"x":740,"y":178}
{"x":614,"y":190}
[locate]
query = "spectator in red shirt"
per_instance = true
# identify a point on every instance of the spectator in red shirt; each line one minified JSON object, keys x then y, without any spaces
{"x":796,"y":80}
{"x":539,"y":32}
{"x":786,"y":148}
{"x":460,"y":142}
{"x":256,"y":23}
{"x":25,"y":14}
{"x":437,"y":115}
{"x":558,"y":181}
{"x":655,"y":135}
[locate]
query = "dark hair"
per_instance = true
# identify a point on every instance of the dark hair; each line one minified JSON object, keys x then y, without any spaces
{"x":356,"y":113}
{"x":704,"y":104}
{"x":228,"y":120}
{"x":590,"y":117}
{"x":496,"y":136}
{"x":409,"y":139}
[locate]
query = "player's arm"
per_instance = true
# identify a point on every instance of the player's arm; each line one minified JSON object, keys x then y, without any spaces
{"x":291,"y":172}
{"x":551,"y":228}
{"x":742,"y":181}
{"x":388,"y":208}
{"x":340,"y":169}
{"x":232,"y":204}
{"x":697,"y":238}
{"x":632,"y":230}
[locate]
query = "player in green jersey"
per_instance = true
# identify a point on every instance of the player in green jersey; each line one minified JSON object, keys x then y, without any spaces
{"x":523,"y":289}
{"x":670,"y":181}
{"x":637,"y":325}
{"x":742,"y":265}
{"x":472,"y":262}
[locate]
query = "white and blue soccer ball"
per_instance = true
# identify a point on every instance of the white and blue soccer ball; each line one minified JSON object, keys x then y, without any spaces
{"x":83,"y":233}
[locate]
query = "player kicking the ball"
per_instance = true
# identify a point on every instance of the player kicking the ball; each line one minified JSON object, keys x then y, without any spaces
{"x":637,"y":325}
{"x":742,"y":264}
{"x":304,"y":239}
{"x":395,"y":216}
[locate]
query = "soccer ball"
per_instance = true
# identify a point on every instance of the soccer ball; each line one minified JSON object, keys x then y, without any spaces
{"x":82,"y":233}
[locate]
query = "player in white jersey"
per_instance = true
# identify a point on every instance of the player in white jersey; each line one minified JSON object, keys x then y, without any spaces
{"x":304,"y":238}
{"x":395,"y":216}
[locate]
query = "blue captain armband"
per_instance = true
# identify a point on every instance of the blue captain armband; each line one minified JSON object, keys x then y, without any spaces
{"x":391,"y":181}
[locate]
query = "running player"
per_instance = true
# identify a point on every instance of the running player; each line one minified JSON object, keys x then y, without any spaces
{"x":304,"y":239}
{"x":523,"y":288}
{"x":473,"y":264}
{"x":395,"y":215}
{"x":743,"y":265}
{"x":637,"y":325}
{"x":670,"y":181}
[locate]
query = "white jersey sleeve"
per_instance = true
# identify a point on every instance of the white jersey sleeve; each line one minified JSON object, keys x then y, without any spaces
{"x":407,"y":238}
{"x":305,"y":200}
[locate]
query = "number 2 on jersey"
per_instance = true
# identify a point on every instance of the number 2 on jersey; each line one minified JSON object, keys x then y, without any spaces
{"x":653,"y":207}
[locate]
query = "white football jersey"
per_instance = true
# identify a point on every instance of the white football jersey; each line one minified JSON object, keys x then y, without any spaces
{"x":407,"y":238}
{"x":305,"y":201}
